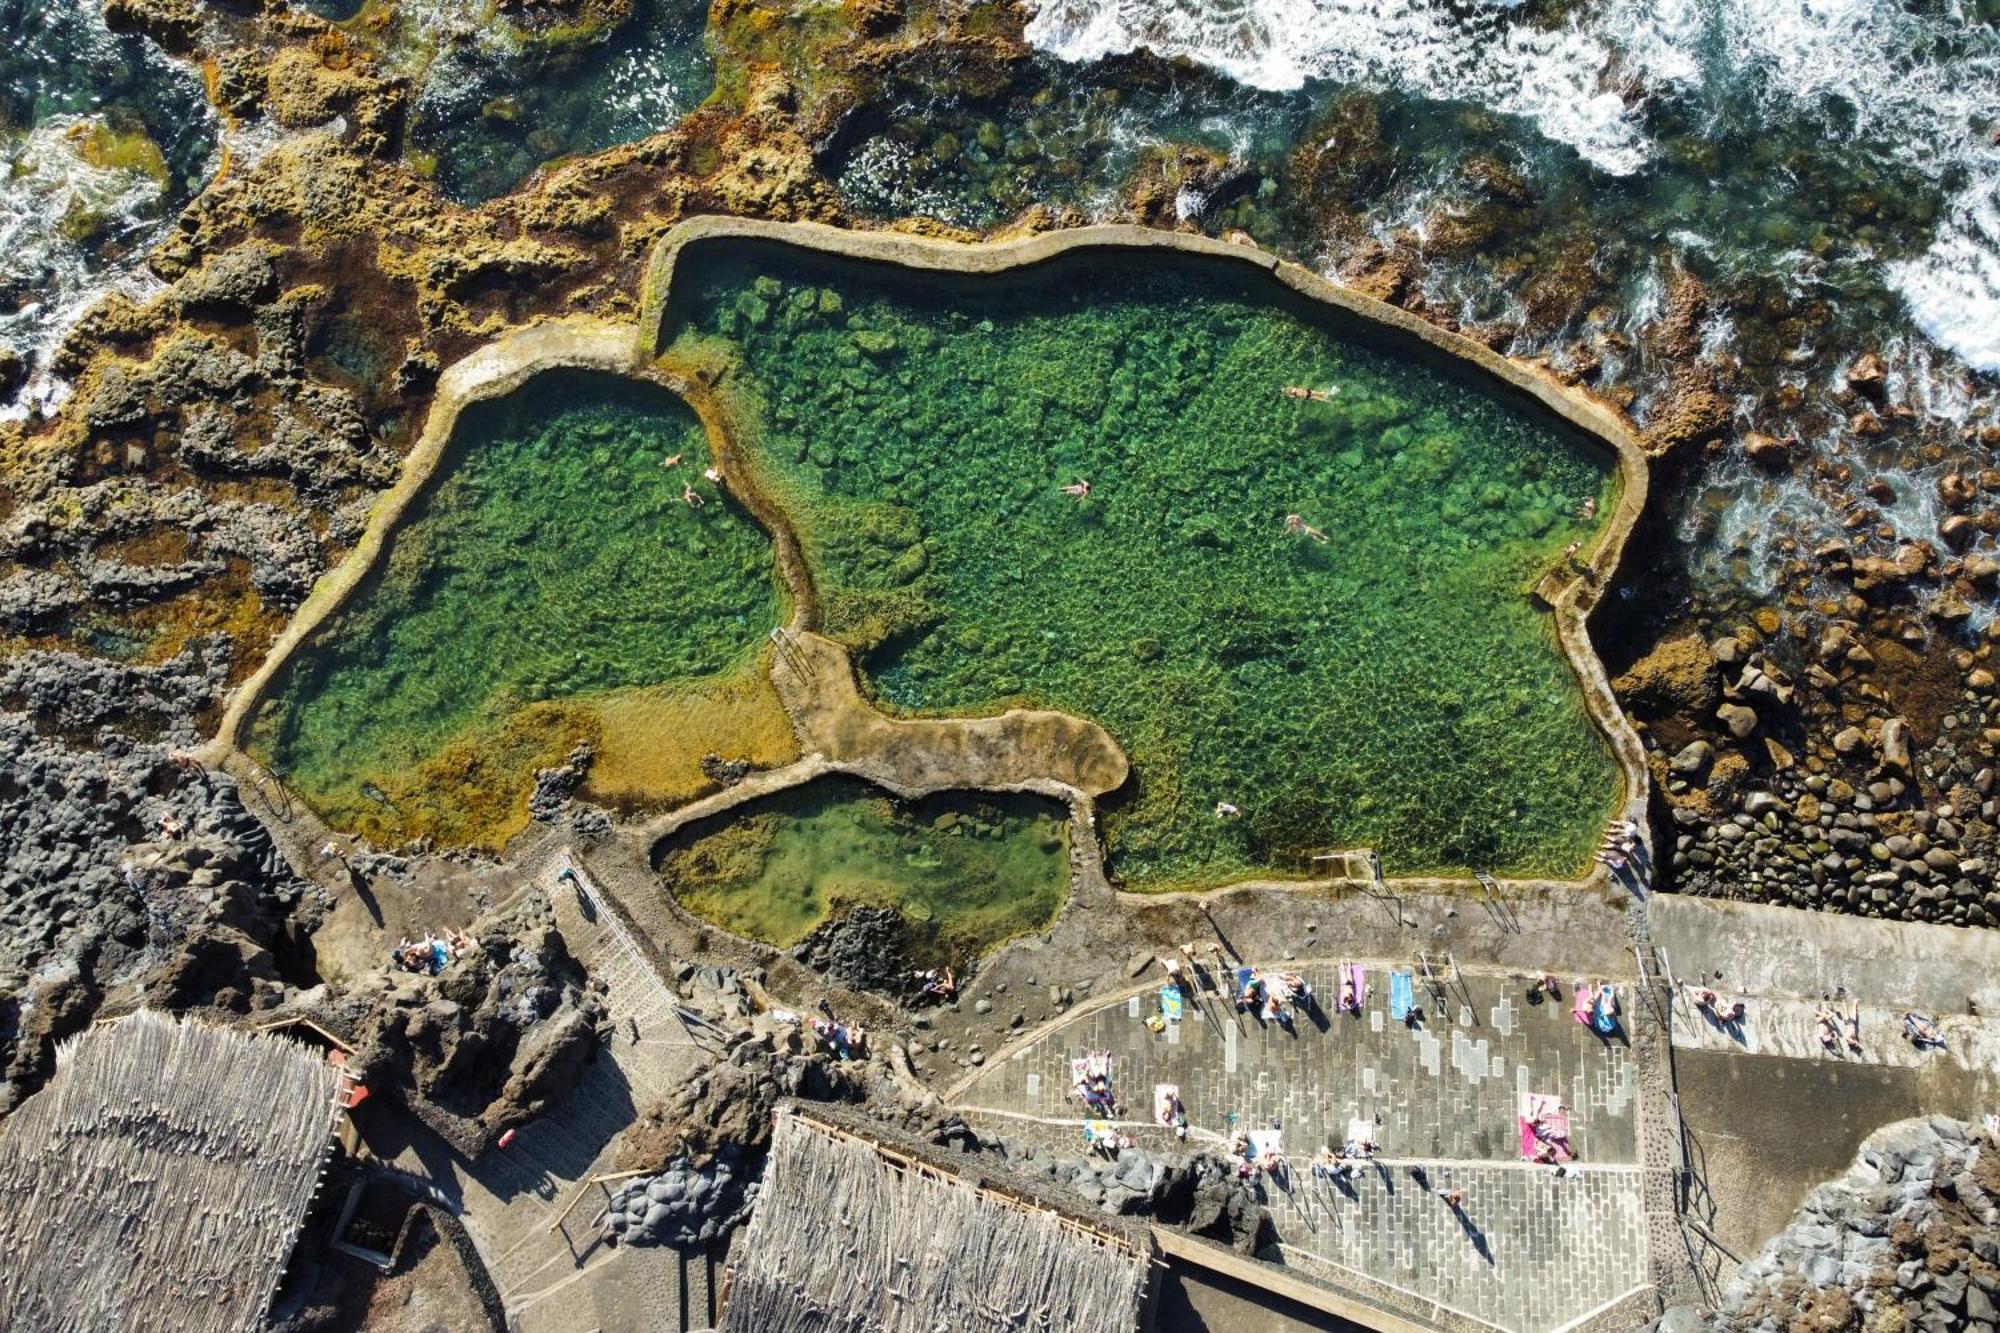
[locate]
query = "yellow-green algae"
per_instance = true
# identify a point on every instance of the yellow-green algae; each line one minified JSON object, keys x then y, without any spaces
{"x":550,"y":585}
{"x":967,"y":871}
{"x":1392,"y":685}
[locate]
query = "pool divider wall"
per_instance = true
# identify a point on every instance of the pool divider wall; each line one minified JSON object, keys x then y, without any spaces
{"x":585,"y":343}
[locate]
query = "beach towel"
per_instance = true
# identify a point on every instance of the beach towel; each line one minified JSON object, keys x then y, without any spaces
{"x":1171,"y":1003}
{"x":1604,"y":1016}
{"x":1402,"y":996}
{"x":1555,"y":1126}
{"x":1245,"y":977}
{"x":1361,"y":1131}
{"x":1264,"y":1142}
{"x":1099,"y":1132}
{"x":1582,"y":995}
{"x":1360,"y":980}
{"x":1164,"y":1097}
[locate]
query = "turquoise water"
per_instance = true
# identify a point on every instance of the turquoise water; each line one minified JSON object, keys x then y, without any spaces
{"x":553,"y":560}
{"x":1391,"y":685}
{"x":968,"y":871}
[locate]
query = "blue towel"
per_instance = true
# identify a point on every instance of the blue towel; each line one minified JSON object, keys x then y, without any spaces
{"x":1602,"y":1019}
{"x":1402,"y":996}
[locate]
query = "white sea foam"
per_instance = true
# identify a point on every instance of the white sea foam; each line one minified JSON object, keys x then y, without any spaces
{"x":1556,"y":78}
{"x":1917,"y":89}
{"x":59,"y":215}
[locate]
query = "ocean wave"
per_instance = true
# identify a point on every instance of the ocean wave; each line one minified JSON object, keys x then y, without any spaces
{"x":1915,"y":91}
{"x":1560,"y":78}
{"x":105,"y":138}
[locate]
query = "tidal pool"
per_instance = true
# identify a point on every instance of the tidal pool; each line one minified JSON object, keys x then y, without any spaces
{"x":1383,"y":680}
{"x":549,"y":586}
{"x":967,"y":871}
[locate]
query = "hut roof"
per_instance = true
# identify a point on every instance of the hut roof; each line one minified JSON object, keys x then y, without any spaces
{"x":158,"y":1182}
{"x":851,"y":1234}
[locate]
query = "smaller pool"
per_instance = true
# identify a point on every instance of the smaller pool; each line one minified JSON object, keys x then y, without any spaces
{"x":968,"y":870}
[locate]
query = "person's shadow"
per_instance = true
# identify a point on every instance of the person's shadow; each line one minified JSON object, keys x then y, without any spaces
{"x":1475,"y":1235}
{"x":364,"y":893}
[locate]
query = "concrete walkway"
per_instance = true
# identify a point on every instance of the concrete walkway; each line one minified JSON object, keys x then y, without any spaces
{"x":1530,"y":1251}
{"x":544,"y":1256}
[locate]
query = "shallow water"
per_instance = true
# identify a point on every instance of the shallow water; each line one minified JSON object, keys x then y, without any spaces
{"x":489,"y":116}
{"x":102,"y":139}
{"x":967,"y":870}
{"x":1391,"y":686}
{"x":552,"y":564}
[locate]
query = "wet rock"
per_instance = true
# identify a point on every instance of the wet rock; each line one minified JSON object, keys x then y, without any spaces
{"x":1869,"y":376}
{"x":1678,"y":679}
{"x":1767,"y":451}
{"x":868,"y":948}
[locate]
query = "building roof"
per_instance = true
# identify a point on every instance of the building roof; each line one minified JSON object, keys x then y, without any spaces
{"x":159,"y":1181}
{"x":853,"y":1234}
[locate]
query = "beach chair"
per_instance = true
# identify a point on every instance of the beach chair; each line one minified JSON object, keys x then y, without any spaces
{"x":1402,"y":996}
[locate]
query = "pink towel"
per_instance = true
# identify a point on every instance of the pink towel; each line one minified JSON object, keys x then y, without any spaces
{"x":1555,"y":1126}
{"x":1360,"y":979}
{"x":1584,"y":995}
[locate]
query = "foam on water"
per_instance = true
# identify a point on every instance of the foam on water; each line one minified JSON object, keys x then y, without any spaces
{"x":1918,"y":91}
{"x":1553,"y":77}
{"x":73,"y":229}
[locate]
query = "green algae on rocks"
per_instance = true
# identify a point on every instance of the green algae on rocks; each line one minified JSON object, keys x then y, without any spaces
{"x":552,"y":565}
{"x":1372,"y":673}
{"x":967,"y":871}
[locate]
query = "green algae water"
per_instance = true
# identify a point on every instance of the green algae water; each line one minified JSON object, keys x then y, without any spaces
{"x":1382,"y":680}
{"x":552,"y":560}
{"x":968,"y":871}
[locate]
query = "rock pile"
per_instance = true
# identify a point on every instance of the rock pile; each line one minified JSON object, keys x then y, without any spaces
{"x":685,"y":1206}
{"x":1798,"y":780}
{"x":1198,"y":1191}
{"x":865,"y":949}
{"x":493,"y":1041}
{"x":1909,"y":1238}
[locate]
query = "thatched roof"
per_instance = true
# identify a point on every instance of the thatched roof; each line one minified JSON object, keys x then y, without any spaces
{"x":160,"y":1179}
{"x":850,"y":1234}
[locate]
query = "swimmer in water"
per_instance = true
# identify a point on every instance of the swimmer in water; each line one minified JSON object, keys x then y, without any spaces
{"x":1588,"y":509}
{"x":691,"y":498}
{"x":1077,"y":490}
{"x":714,"y":474}
{"x":1298,"y":527}
{"x":671,"y":461}
{"x":1305,"y":394}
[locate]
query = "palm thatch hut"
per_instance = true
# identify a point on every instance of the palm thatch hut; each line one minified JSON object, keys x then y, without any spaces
{"x":160,"y":1179}
{"x":852,"y":1233}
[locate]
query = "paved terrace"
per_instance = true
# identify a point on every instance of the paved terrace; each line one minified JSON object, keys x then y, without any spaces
{"x":1532,"y":1252}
